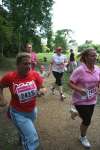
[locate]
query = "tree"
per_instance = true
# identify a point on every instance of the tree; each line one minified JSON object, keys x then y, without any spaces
{"x":5,"y":31}
{"x":63,"y":38}
{"x":89,"y":44}
{"x":30,"y":18}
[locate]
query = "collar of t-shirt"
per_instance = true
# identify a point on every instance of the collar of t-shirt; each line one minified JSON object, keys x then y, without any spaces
{"x":87,"y":69}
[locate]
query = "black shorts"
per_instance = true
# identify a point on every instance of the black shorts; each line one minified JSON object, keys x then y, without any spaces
{"x":58,"y":76}
{"x":85,"y":112}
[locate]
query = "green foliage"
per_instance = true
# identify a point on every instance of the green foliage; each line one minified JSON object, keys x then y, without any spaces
{"x":5,"y":31}
{"x":45,"y":49}
{"x":50,"y":39}
{"x":89,"y":44}
{"x":47,"y":55}
{"x":7,"y":63}
{"x":63,"y":38}
{"x":97,"y":47}
{"x":30,"y":20}
{"x":66,"y":88}
{"x":60,"y":39}
{"x":36,"y":42}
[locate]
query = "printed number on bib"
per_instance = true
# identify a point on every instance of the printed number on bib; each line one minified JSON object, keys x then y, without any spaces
{"x":26,"y":92}
{"x":91,"y":93}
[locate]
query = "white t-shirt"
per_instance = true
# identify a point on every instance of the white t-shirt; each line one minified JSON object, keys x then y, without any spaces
{"x":58,"y":62}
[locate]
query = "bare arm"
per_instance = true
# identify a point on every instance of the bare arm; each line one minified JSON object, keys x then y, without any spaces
{"x":77,"y":88}
{"x":50,"y":69}
{"x":98,"y":89}
{"x":2,"y":99}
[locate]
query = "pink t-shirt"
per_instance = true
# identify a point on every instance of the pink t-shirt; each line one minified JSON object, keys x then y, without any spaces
{"x":33,"y":57}
{"x":88,"y":80}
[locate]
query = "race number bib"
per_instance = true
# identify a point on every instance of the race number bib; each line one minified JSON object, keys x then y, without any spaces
{"x":91,"y":93}
{"x":26,"y":91}
{"x":60,"y":66}
{"x":59,"y":63}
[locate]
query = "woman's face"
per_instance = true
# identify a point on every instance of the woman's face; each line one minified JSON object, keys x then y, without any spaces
{"x":91,"y":57}
{"x":25,"y":65}
{"x":59,"y":52}
{"x":29,"y":48}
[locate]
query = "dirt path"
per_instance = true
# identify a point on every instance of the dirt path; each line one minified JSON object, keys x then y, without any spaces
{"x":56,"y":129}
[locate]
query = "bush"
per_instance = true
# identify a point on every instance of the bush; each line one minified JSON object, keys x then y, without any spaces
{"x":7,"y":63}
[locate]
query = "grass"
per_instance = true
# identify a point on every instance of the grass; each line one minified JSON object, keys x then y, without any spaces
{"x":42,"y":55}
{"x":66,"y":87}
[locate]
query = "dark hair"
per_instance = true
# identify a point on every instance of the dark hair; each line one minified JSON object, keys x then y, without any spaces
{"x":20,"y":56}
{"x":71,"y":50}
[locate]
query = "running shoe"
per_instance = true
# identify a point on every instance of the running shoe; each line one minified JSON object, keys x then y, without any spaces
{"x":84,"y":141}
{"x":63,"y":97}
{"x":52,"y":90}
{"x":74,"y":113}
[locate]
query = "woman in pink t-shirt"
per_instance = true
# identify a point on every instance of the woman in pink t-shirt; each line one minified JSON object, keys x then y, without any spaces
{"x":33,"y":55}
{"x":84,"y":81}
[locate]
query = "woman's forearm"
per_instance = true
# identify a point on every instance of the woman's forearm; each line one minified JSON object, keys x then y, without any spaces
{"x":50,"y":69}
{"x":76,"y":88}
{"x":2,"y":99}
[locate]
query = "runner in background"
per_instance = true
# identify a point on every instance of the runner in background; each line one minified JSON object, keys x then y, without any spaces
{"x":43,"y":74}
{"x":34,"y":59}
{"x":57,"y":67}
{"x":84,"y":81}
{"x":72,"y":64}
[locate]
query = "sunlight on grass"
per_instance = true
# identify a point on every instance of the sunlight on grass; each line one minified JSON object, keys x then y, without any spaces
{"x":66,"y":87}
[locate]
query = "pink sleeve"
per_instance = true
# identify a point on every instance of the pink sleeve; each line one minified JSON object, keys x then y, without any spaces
{"x":75,"y":76}
{"x":34,"y":56}
{"x":99,"y":75}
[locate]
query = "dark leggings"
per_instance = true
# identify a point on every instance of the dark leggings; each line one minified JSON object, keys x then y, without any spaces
{"x":85,"y":112}
{"x":58,"y":76}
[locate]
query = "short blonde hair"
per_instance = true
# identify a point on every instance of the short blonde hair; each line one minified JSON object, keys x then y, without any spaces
{"x":20,"y":56}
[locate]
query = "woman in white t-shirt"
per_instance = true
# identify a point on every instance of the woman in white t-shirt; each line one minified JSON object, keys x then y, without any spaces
{"x":57,"y":67}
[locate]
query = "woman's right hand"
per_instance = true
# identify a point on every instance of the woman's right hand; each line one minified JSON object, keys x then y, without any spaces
{"x":83,"y":92}
{"x":77,"y":88}
{"x":3,"y":104}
